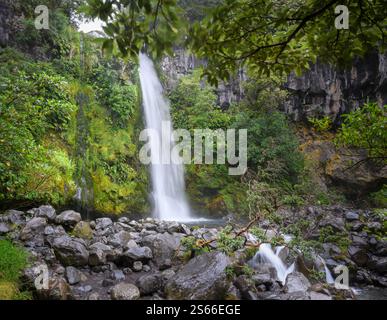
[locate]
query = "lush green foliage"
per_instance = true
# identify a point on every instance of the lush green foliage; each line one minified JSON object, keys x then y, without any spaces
{"x":193,"y":104}
{"x":323,"y":124}
{"x":273,"y":147}
{"x":119,"y":184}
{"x":192,"y":247}
{"x":132,"y":25}
{"x":54,"y":42}
{"x":12,"y":261}
{"x":379,"y":198}
{"x":228,"y":242}
{"x":57,"y":132}
{"x":283,"y":36}
{"x":264,"y":35}
{"x":36,"y":110}
{"x":366,"y":128}
{"x":116,"y":95}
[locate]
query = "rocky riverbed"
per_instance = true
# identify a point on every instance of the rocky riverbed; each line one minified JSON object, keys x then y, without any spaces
{"x":145,"y":259}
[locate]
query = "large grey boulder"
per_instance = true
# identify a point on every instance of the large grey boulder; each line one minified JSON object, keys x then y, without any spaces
{"x":359,"y":241}
{"x":117,"y":275}
{"x":83,"y":230}
{"x":125,"y":291}
{"x":124,"y":220}
{"x":70,"y":251}
{"x":103,"y":223}
{"x":119,"y":239}
{"x":378,"y":264}
{"x":73,"y":275}
{"x":352,"y":216}
{"x":381,"y":248}
{"x":149,"y":283}
{"x":297,"y":282}
{"x":35,"y":226}
{"x":336,"y":223}
{"x":263,"y":278}
{"x":45,"y":211}
{"x":133,"y":254}
{"x":358,"y":255}
{"x":4,"y":228}
{"x":14,"y":217}
{"x":100,"y":253}
{"x":163,"y":246}
{"x":203,"y":277}
{"x":68,"y":218}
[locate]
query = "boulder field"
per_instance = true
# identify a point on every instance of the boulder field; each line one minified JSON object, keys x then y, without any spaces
{"x":146,"y":259}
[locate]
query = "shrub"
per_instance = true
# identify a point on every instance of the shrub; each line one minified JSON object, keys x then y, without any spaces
{"x":228,"y":242}
{"x":273,"y":147}
{"x":366,"y":128}
{"x":379,"y":198}
{"x":193,"y":104}
{"x":323,"y":124}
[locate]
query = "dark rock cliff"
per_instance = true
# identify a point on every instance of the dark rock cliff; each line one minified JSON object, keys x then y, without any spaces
{"x":327,"y":91}
{"x":5,"y":21}
{"x":323,"y":90}
{"x":182,"y":63}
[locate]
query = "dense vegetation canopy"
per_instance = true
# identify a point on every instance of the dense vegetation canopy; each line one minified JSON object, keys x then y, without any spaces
{"x":265,"y":35}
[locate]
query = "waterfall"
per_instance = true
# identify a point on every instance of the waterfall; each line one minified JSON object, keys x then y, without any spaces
{"x":266,"y":254}
{"x":167,"y":178}
{"x":84,"y":186}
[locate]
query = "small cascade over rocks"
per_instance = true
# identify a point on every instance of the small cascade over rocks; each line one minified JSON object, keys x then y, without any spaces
{"x":267,"y":256}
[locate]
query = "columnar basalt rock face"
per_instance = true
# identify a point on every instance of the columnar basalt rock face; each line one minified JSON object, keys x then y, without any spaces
{"x":5,"y":16}
{"x":180,"y":64}
{"x":11,"y":22}
{"x":183,"y":63}
{"x":325,"y":90}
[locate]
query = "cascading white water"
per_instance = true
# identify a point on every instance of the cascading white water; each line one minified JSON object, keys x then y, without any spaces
{"x":266,"y":254}
{"x":328,"y":275}
{"x":167,"y":179}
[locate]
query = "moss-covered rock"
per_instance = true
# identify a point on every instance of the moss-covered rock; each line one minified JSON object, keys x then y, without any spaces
{"x":83,"y":230}
{"x":8,"y":290}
